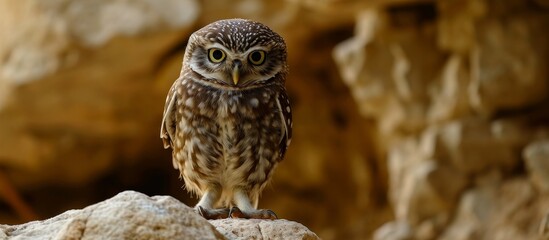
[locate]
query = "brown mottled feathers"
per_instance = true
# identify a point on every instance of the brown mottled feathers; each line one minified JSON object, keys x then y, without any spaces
{"x":227,"y":118}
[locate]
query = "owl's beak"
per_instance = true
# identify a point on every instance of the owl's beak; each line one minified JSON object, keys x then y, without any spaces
{"x":236,"y":73}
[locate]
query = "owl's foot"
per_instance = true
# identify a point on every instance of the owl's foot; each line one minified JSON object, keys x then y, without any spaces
{"x":218,"y":213}
{"x":255,"y":214}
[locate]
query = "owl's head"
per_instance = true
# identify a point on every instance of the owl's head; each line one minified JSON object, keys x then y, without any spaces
{"x":236,"y":53}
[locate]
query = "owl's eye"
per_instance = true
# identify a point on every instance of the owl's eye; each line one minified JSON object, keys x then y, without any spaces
{"x":216,"y":55}
{"x":257,"y":57}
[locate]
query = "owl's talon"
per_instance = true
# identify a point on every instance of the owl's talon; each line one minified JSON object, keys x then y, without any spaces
{"x":212,"y":213}
{"x":236,"y":213}
{"x":270,"y":214}
{"x":254,"y":214}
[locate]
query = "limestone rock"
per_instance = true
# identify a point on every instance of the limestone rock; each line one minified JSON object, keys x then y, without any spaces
{"x":497,"y":209}
{"x":398,"y":230}
{"x":95,"y":113}
{"x":507,"y":54}
{"x":474,"y":145}
{"x":417,"y":178}
{"x":509,"y":62}
{"x":133,"y":215}
{"x":262,"y":229}
{"x":435,"y":169}
{"x":434,"y":97}
{"x":544,"y":227}
{"x":41,"y":36}
{"x":536,"y":156}
{"x":450,"y":96}
{"x":456,"y":25}
{"x":72,"y":77}
{"x":387,"y":67}
{"x":128,"y":215}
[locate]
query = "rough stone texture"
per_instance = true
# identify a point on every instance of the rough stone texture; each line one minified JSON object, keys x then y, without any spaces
{"x":92,"y":117}
{"x":128,"y":215}
{"x":457,"y":89}
{"x":133,"y":215}
{"x":426,"y":113}
{"x":387,"y":69}
{"x":513,"y":77}
{"x":74,"y":122}
{"x":262,"y":229}
{"x":394,"y":230}
{"x":43,"y":35}
{"x":497,"y":209}
{"x":536,"y":156}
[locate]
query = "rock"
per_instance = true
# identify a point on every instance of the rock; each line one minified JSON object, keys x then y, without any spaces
{"x":536,"y":156}
{"x":133,"y":215}
{"x":544,"y":227}
{"x":418,"y":177}
{"x":496,"y":209}
{"x":394,"y":231}
{"x":443,"y":128}
{"x":450,"y":97}
{"x":411,"y":113}
{"x":93,"y":116}
{"x":428,"y":174}
{"x":67,"y":62}
{"x":474,"y":209}
{"x":457,"y":24}
{"x":386,"y":67}
{"x":507,"y":54}
{"x":58,"y":27}
{"x":473,"y":145}
{"x":262,"y":229}
{"x":128,"y":215}
{"x":508,"y":62}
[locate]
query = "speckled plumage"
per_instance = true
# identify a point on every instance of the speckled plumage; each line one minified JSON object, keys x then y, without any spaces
{"x":227,"y":138}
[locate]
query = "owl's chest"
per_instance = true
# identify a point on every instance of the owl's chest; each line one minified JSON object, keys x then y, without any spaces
{"x":230,"y":117}
{"x":240,"y":116}
{"x":234,"y":117}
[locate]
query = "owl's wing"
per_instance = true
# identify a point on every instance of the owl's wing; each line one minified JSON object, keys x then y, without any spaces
{"x":167,"y":129}
{"x":285,"y":111}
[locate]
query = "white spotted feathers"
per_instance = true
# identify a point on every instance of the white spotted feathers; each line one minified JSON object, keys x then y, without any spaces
{"x":229,"y":121}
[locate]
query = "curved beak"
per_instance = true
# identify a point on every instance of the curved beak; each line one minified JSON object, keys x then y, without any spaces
{"x":236,"y":72}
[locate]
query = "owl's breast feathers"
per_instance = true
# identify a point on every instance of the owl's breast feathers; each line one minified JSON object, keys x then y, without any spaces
{"x":254,"y":123}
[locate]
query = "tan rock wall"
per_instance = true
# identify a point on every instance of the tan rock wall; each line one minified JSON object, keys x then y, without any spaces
{"x":412,"y":113}
{"x":457,"y":89}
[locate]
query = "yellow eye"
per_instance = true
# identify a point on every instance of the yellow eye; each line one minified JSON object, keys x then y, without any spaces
{"x":216,"y":55}
{"x":257,"y":57}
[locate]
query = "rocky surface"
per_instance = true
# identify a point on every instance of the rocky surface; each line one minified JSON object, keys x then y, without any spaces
{"x":459,"y":98}
{"x":133,"y":215}
{"x":262,"y":229}
{"x":89,"y":64}
{"x":413,"y":119}
{"x":93,"y":119}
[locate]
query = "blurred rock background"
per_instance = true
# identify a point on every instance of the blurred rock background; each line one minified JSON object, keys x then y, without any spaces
{"x":414,"y":119}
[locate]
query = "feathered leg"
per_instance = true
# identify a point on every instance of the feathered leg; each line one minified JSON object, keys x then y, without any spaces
{"x":205,"y":206}
{"x":245,"y":209}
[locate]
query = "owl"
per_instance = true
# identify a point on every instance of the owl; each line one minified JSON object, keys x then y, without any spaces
{"x":227,"y":117}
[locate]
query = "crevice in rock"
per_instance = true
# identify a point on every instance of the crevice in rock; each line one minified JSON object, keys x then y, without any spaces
{"x":260,"y":232}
